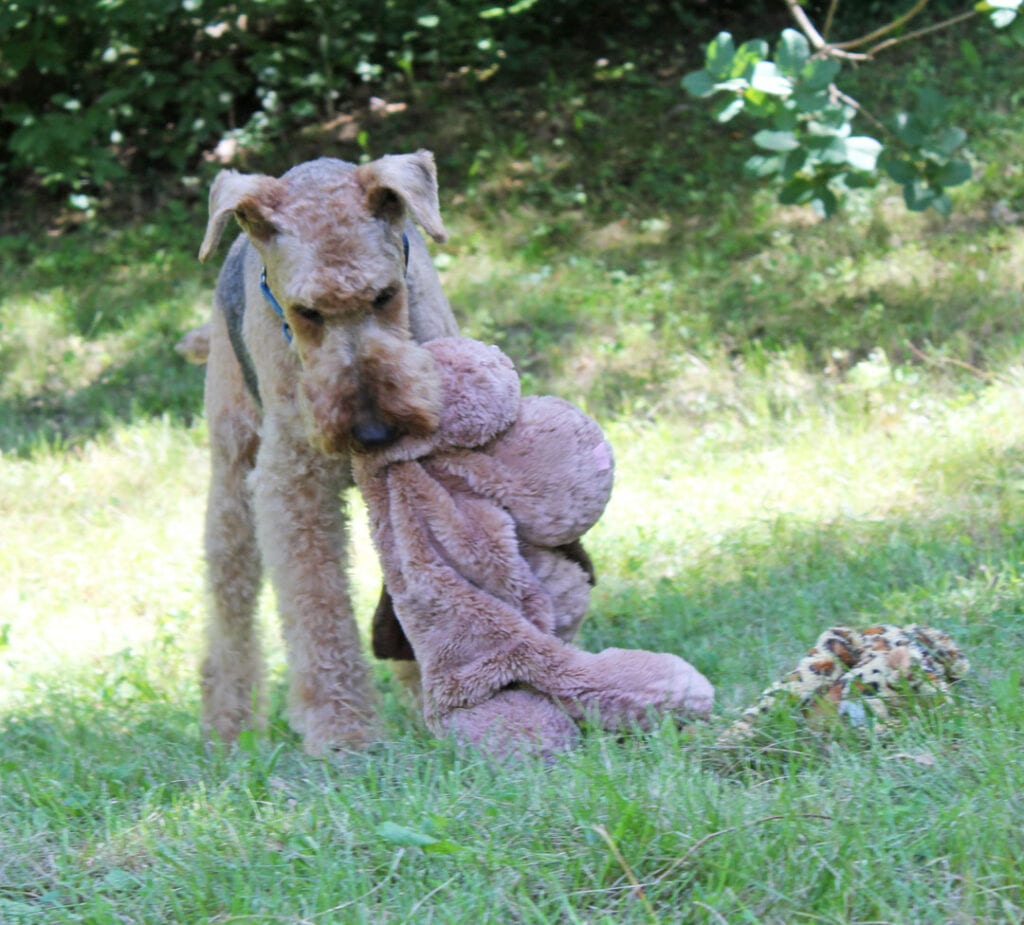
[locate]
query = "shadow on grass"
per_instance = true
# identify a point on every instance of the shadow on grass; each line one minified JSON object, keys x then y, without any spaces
{"x":746,"y":611}
{"x":93,"y":319}
{"x":148,"y":384}
{"x":743,"y":613}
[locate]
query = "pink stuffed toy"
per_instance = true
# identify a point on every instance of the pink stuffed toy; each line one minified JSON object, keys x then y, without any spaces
{"x":477,"y":528}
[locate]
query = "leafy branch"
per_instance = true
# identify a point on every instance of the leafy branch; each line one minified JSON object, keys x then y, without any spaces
{"x":808,"y":145}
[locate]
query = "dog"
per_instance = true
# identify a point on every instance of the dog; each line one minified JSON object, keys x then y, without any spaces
{"x":313,"y":351}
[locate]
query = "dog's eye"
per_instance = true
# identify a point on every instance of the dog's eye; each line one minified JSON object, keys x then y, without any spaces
{"x":381,"y":299}
{"x":309,"y":314}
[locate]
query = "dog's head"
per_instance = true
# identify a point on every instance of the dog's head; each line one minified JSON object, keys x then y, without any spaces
{"x":332,"y":239}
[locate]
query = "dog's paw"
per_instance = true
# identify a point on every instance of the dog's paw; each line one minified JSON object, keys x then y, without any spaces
{"x":328,"y":731}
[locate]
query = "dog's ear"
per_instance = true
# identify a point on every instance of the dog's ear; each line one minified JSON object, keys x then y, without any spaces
{"x":397,"y":182}
{"x":251,"y":198}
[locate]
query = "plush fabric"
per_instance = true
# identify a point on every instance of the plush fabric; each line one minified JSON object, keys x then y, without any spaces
{"x":472,"y":524}
{"x":860,"y":675}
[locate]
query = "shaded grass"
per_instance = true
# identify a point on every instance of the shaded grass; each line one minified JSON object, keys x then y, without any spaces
{"x":88,"y":321}
{"x":869,"y":833}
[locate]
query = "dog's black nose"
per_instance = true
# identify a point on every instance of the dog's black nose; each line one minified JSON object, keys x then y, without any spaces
{"x":374,"y":434}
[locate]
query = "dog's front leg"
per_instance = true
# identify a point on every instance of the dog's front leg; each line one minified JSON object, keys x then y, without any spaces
{"x":302,"y":530}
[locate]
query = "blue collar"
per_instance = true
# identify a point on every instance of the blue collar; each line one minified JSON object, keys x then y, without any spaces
{"x":286,"y":328}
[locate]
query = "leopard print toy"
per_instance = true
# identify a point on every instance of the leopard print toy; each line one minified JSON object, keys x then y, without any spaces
{"x":857,"y":671}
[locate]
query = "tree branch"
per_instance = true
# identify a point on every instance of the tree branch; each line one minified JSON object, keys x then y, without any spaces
{"x":832,"y":7}
{"x":806,"y":26}
{"x":884,"y":30}
{"x":839,"y":97}
{"x":816,"y":39}
{"x":844,"y":50}
{"x":945,"y":24}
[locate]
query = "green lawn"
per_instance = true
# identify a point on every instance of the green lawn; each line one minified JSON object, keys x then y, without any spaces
{"x":814,"y":424}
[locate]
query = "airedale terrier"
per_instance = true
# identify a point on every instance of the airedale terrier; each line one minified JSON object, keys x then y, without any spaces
{"x":313,"y":350}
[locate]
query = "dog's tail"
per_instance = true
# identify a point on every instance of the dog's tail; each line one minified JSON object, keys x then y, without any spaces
{"x":195,"y":345}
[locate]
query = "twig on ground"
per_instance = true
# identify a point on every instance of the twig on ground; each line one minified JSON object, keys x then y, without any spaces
{"x":638,"y":889}
{"x":718,"y":915}
{"x":949,"y":361}
{"x":701,"y":842}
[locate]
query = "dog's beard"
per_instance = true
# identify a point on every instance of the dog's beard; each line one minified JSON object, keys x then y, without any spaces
{"x":395,"y":391}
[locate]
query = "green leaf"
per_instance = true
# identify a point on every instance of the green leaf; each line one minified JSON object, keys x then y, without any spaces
{"x":794,"y":162}
{"x":943,"y":205}
{"x":833,"y":151}
{"x":248,"y":741}
{"x":119,"y":880}
{"x":785,"y":120}
{"x":953,"y":173}
{"x":768,"y":79}
{"x":970,"y":53}
{"x":796,"y":191}
{"x":761,"y":105}
{"x":919,"y":197}
{"x":414,"y":838}
{"x":809,"y":100}
{"x":902,"y":171}
{"x":733,"y":85}
{"x":748,"y":55}
{"x":753,"y":50}
{"x":932,"y":107}
{"x":403,"y":835}
{"x":792,"y":52}
{"x":825,"y":201}
{"x":828,"y":148}
{"x":699,"y":83}
{"x":762,"y":165}
{"x":836,"y":117}
{"x":862,"y":152}
{"x":729,"y":109}
{"x":819,"y":73}
{"x":909,"y":130}
{"x":949,"y":140}
{"x":776,"y":141}
{"x":856,"y":180}
{"x":719,"y":56}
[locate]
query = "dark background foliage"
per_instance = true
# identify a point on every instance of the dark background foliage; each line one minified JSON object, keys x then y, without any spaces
{"x":92,"y":94}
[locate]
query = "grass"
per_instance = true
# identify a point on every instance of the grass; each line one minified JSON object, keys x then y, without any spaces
{"x":814,"y":424}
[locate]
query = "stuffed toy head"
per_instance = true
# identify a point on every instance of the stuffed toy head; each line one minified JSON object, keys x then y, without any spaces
{"x":550,"y":465}
{"x":477,"y":527}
